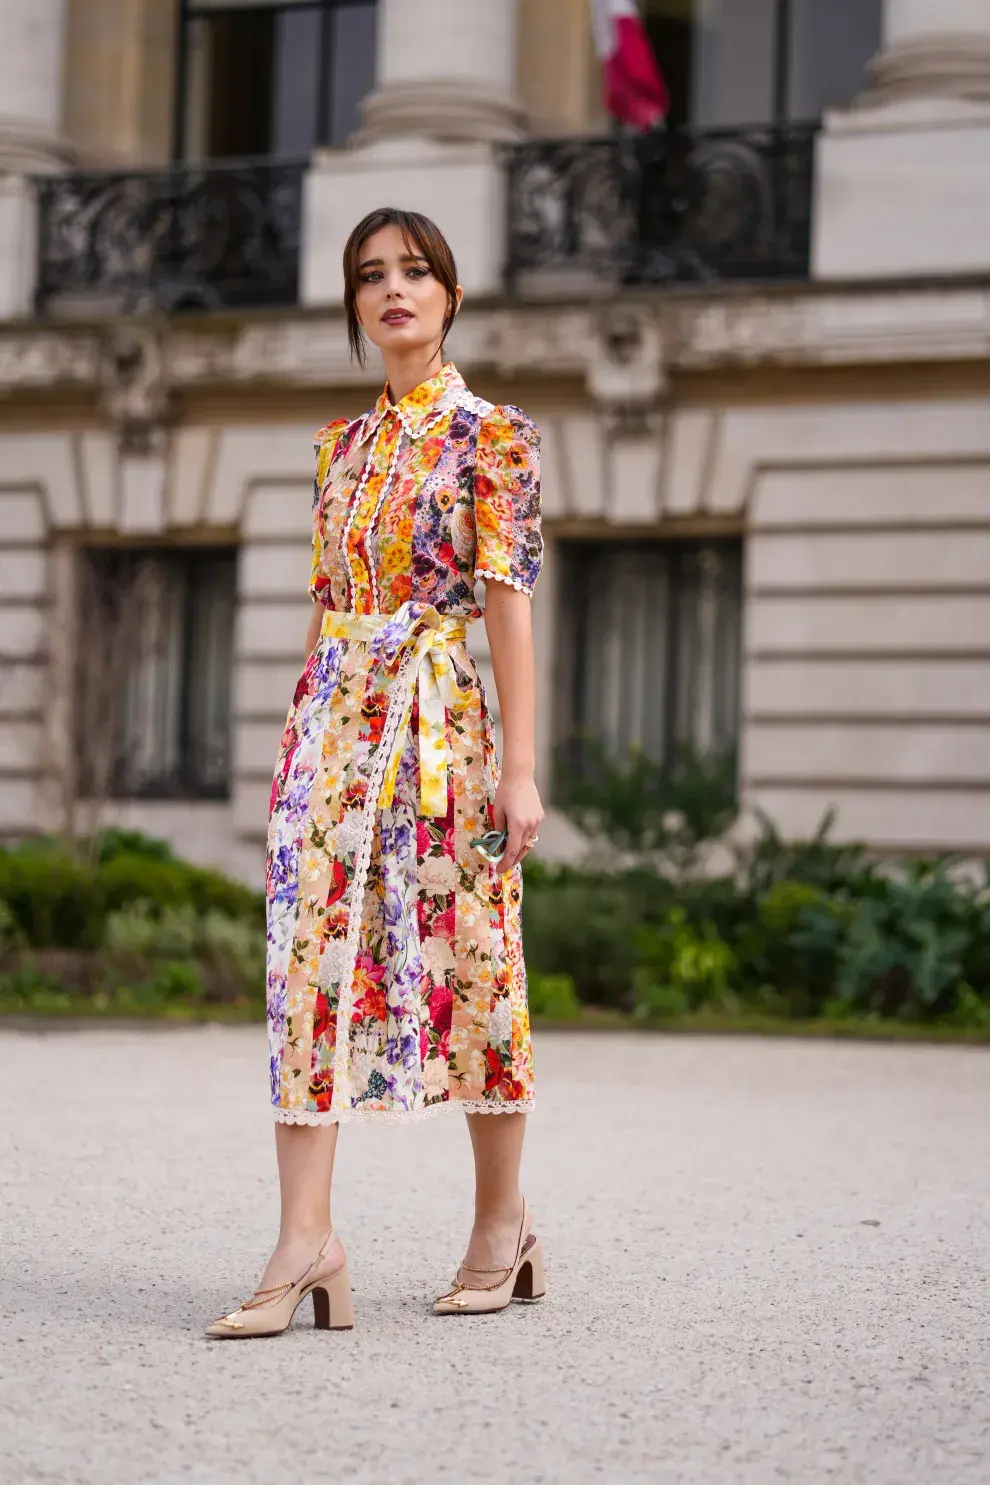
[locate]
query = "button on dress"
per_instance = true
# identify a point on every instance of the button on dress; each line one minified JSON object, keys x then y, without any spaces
{"x":396,"y":980}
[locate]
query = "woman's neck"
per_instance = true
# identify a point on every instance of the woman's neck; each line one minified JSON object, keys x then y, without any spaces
{"x":405,"y":373}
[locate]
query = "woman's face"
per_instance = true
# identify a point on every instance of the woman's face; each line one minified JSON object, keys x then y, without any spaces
{"x":400,"y":304}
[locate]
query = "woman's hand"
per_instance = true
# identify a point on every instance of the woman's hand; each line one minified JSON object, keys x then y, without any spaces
{"x":518,"y":810}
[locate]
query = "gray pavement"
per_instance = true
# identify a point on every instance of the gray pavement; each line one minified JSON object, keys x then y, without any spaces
{"x":768,"y":1262}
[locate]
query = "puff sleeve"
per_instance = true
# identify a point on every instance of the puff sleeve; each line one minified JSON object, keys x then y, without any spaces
{"x":507,"y":499}
{"x":325,"y":444}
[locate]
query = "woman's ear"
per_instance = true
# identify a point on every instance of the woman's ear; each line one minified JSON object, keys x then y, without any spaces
{"x":459,"y":298}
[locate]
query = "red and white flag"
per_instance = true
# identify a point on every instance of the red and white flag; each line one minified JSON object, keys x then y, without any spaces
{"x":635,"y":92}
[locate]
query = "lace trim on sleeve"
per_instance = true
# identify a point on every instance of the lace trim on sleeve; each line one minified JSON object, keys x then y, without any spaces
{"x":498,"y":577}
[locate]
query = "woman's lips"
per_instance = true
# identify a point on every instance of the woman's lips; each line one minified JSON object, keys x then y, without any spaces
{"x":396,"y":317}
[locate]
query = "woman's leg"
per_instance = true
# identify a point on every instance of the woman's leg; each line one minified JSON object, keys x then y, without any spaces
{"x":497,"y":1140}
{"x":305,"y":1156}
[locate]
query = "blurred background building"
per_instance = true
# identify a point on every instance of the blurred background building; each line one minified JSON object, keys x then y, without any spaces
{"x":755,"y":342}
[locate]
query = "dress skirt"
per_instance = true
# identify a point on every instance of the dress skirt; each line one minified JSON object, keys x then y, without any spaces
{"x":396,"y":981}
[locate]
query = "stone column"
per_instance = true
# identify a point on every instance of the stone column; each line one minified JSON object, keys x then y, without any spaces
{"x":32,"y":61}
{"x":446,"y":70}
{"x":445,"y":95}
{"x":932,"y":50}
{"x":903,"y":179}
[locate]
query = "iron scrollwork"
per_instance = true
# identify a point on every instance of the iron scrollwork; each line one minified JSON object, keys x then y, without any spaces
{"x":186,"y":238}
{"x":678,"y":206}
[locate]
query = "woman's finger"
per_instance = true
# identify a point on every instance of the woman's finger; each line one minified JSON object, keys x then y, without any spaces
{"x":520,"y":836}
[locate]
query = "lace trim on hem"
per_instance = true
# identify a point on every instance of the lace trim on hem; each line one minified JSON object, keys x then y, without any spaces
{"x":363,"y":1114}
{"x":483,"y":572}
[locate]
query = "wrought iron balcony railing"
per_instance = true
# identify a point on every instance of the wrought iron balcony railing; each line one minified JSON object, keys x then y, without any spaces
{"x":688,"y":206}
{"x":190,"y":237}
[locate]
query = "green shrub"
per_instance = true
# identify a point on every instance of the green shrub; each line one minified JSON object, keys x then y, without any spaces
{"x":585,"y":928}
{"x":684,"y":967}
{"x":54,"y":900}
{"x":127,"y":878}
{"x":114,"y":842}
{"x":553,"y":997}
{"x":903,"y":952}
{"x":644,"y":807}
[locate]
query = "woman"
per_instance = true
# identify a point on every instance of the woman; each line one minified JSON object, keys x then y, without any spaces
{"x":396,"y":983}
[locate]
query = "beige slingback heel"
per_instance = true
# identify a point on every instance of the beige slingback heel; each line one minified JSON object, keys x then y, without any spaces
{"x":270,"y":1311}
{"x":523,"y":1279}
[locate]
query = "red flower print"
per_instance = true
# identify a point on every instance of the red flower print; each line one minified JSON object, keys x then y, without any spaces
{"x":321,"y":1088}
{"x":424,"y":1043}
{"x":369,"y":992}
{"x":443,"y":1046}
{"x":353,"y":795}
{"x":484,"y":486}
{"x":441,"y":1007}
{"x":321,"y":1016}
{"x":448,"y":556}
{"x":338,"y":884}
{"x":494,"y":1065}
{"x":443,"y":923}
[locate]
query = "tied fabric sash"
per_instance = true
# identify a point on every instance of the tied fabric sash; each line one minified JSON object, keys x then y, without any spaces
{"x":420,"y":636}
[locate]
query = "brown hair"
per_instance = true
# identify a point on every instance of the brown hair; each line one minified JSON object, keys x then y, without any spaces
{"x":419,"y":232}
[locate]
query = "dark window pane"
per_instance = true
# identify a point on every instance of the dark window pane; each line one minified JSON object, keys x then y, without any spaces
{"x":297,"y":81}
{"x":650,"y":647}
{"x":240,"y":50}
{"x":352,"y":67}
{"x":734,"y":62}
{"x":275,"y":79}
{"x":155,"y":658}
{"x":831,"y":43}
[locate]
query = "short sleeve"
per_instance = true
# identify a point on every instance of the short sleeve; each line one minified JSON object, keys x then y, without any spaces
{"x":325,"y":443}
{"x":507,"y":499}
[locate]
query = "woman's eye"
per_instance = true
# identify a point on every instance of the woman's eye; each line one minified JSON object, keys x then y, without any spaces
{"x":372,"y":277}
{"x":419,"y":272}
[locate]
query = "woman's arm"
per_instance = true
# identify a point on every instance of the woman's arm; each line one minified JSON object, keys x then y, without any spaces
{"x":517,"y":807}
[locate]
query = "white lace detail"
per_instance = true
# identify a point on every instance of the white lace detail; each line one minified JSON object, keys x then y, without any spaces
{"x":345,"y":997}
{"x":498,"y":577}
{"x":426,"y":427}
{"x":362,"y":1112}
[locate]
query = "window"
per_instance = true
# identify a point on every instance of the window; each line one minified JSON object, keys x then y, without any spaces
{"x":271,"y":77}
{"x":650,"y":658}
{"x":154,"y":672}
{"x":737,"y":62}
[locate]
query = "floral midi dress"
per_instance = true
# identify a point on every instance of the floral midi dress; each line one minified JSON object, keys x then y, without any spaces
{"x":396,"y":982}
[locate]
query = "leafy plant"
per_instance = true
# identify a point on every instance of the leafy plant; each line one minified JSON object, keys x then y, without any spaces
{"x":553,"y":997}
{"x":684,"y":965}
{"x":643,"y":808}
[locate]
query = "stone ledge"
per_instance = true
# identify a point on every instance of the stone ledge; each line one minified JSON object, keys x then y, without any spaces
{"x":814,"y":326}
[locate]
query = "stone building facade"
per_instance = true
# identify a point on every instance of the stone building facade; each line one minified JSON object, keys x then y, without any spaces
{"x":756,"y":346}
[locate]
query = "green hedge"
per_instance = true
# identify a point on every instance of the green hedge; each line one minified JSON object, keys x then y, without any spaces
{"x":798,"y":932}
{"x":60,"y":900}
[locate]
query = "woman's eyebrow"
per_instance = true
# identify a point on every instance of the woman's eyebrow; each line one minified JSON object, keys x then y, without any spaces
{"x":380,"y":262}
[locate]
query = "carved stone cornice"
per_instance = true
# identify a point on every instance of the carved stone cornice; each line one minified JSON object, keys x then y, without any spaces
{"x":624,"y":349}
{"x":946,"y":65}
{"x":442,"y":108}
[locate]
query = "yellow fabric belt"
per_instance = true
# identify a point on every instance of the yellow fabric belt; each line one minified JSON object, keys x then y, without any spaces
{"x":419,"y":636}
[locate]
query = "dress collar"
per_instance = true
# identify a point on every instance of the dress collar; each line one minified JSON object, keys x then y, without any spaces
{"x":423,"y":407}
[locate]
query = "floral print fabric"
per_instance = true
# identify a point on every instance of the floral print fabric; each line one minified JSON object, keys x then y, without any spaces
{"x":396,"y":981}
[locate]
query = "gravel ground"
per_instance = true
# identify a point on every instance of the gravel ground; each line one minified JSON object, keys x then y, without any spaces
{"x":767,"y":1262}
